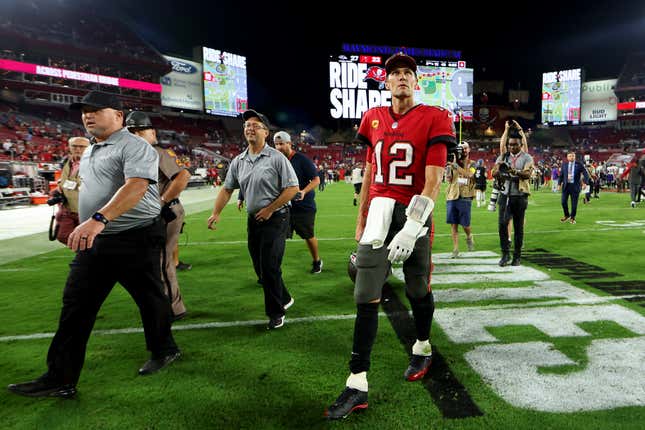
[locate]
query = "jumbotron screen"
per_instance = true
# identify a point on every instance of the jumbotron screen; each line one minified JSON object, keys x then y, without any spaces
{"x":561,"y":97}
{"x":357,"y":83}
{"x":225,"y":85}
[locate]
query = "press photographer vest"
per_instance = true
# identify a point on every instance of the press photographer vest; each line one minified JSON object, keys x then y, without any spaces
{"x":70,"y":195}
{"x":458,"y":190}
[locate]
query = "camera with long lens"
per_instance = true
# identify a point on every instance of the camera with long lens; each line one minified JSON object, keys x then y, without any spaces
{"x":56,"y":198}
{"x":498,"y":185}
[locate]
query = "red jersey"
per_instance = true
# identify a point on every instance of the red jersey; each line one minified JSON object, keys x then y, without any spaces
{"x":400,"y":147}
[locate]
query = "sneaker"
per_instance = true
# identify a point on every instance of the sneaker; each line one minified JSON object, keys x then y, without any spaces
{"x":470,"y":241}
{"x":633,"y":204}
{"x":419,"y":365}
{"x":572,"y":220}
{"x":42,"y":387}
{"x":316,"y":266}
{"x":288,"y":305}
{"x":455,"y":253}
{"x":184,"y":266}
{"x":564,"y":219}
{"x":275,"y":323}
{"x":349,"y":400}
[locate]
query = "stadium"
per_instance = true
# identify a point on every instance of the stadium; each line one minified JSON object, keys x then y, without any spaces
{"x":556,"y":342}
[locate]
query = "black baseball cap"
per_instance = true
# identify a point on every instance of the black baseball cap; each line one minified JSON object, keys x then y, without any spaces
{"x":98,"y":100}
{"x":400,"y":59}
{"x":255,"y":114}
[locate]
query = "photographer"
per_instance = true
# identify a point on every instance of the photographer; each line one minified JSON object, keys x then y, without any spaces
{"x":173,"y":179}
{"x":66,"y":194}
{"x":512,"y":172}
{"x":513,"y":127}
{"x":460,"y":174}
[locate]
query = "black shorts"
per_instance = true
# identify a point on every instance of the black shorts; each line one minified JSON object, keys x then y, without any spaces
{"x":303,"y":224}
{"x":357,"y":187}
{"x":480,"y":186}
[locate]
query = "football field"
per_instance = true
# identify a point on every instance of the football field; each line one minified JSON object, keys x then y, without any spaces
{"x":558,"y":342}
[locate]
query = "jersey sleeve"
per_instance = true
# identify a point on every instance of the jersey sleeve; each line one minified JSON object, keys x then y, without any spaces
{"x":437,"y":154}
{"x":442,"y":129}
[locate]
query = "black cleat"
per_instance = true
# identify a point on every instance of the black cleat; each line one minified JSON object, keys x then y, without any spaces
{"x":506,"y":258}
{"x":419,"y":366}
{"x":349,"y":400}
{"x":516,"y":260}
{"x":41,"y":387}
{"x":156,"y":364}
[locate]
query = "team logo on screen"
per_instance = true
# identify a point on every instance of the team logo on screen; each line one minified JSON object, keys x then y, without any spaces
{"x":376,"y":74}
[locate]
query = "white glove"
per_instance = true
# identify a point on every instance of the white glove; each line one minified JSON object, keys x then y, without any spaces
{"x":402,"y":244}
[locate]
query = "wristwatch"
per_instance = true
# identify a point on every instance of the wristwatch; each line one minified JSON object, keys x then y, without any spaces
{"x":98,"y":216}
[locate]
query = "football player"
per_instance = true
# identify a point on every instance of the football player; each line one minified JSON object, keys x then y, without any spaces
{"x":407,"y":151}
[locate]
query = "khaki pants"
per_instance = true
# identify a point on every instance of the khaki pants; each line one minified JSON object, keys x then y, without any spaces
{"x":169,"y":271}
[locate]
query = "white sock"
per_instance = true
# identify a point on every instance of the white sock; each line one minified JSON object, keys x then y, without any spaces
{"x":422,"y":348}
{"x":357,"y":381}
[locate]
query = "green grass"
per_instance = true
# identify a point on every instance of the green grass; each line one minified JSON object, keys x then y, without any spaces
{"x":246,"y":377}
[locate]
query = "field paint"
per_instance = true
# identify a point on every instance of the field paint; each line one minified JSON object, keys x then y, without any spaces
{"x":180,"y":327}
{"x":470,"y":325}
{"x":248,"y":323}
{"x":539,"y":290}
{"x":610,"y":380}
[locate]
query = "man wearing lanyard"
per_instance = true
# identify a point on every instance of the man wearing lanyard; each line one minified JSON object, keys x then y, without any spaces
{"x":268,"y":183}
{"x":570,"y":184}
{"x":513,"y":200}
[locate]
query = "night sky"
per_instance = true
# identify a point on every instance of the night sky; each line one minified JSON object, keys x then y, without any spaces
{"x":287,"y":46}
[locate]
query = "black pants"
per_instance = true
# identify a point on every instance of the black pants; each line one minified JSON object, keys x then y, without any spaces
{"x":512,"y":207}
{"x":568,"y":190}
{"x":266,"y":242}
{"x":131,"y":258}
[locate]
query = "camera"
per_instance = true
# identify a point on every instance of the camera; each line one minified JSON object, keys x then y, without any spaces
{"x":56,"y":198}
{"x":493,"y":199}
{"x":458,"y":153}
{"x":503,"y":175}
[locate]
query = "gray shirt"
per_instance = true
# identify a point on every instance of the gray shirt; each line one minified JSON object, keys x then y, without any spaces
{"x":517,"y":163}
{"x":261,"y":179}
{"x":106,"y":165}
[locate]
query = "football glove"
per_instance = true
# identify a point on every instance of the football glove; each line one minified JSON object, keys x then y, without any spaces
{"x":417,"y":213}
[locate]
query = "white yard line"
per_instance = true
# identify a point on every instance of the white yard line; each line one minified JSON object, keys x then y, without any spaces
{"x":249,"y":323}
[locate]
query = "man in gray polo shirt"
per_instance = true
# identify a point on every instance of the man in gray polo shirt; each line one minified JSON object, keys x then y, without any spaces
{"x":268,"y":183}
{"x":513,"y":200}
{"x":119,"y":240}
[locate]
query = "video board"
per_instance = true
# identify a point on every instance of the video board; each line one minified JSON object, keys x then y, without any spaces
{"x":357,"y":83}
{"x":225,"y":82}
{"x":182,"y":87}
{"x":561,"y":97}
{"x":599,"y":102}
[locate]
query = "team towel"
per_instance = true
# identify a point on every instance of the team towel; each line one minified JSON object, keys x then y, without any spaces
{"x":379,"y":218}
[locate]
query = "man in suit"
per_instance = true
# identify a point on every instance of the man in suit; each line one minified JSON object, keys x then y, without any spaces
{"x":570,"y":182}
